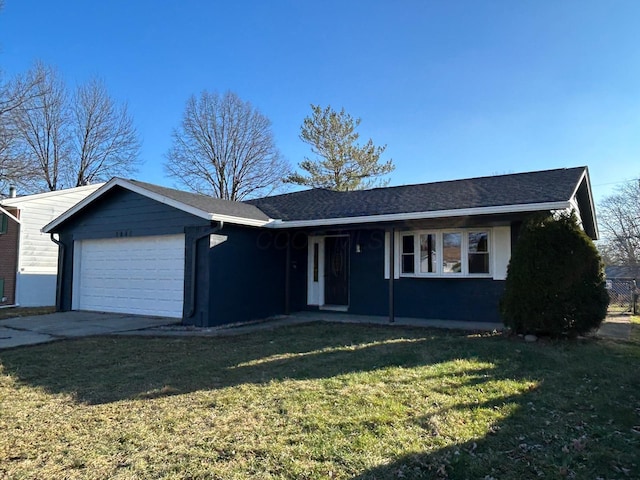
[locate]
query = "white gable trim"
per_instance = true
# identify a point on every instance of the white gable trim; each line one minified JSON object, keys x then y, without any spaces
{"x":591,"y":207}
{"x":11,"y":216}
{"x":16,"y":201}
{"x":120,"y":182}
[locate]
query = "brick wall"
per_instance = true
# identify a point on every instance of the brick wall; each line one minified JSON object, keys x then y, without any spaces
{"x":9,"y":261}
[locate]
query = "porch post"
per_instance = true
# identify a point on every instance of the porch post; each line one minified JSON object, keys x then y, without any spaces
{"x":392,"y":274}
{"x":287,"y":277}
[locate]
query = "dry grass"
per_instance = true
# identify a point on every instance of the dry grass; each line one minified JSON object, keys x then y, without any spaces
{"x":13,"y":312}
{"x":321,"y":401}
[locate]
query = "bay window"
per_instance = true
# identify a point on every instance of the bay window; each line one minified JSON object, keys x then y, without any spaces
{"x":445,"y":253}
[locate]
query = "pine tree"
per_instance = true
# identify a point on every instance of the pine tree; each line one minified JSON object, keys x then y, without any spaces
{"x":340,"y":163}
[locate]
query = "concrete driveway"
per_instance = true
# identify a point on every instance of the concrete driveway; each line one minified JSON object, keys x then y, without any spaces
{"x":16,"y":332}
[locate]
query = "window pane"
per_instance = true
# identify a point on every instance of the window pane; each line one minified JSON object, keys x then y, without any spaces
{"x":408,"y":264}
{"x":407,"y":244}
{"x":478,"y":263}
{"x":451,"y":243}
{"x":478,"y":242}
{"x":408,"y":256}
{"x":478,"y":252}
{"x":428,"y":253}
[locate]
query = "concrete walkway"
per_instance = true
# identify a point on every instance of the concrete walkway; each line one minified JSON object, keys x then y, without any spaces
{"x":15,"y":332}
{"x":309,"y":317}
{"x":616,"y":326}
{"x":22,"y":331}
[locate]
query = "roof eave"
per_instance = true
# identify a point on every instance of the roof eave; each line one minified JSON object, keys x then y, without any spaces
{"x":394,"y":217}
{"x":591,"y":207}
{"x":121,"y":182}
{"x":16,"y":201}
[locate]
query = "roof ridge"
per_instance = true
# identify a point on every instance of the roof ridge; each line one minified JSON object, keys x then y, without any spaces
{"x":515,"y":174}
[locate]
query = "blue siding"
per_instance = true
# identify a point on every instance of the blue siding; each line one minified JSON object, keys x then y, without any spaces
{"x":119,"y":213}
{"x":369,"y":291}
{"x":124,"y":213}
{"x":244,"y":278}
{"x":247,"y":275}
{"x":474,"y":299}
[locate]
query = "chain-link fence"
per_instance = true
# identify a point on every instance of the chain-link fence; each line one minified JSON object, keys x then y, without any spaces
{"x":623,"y":295}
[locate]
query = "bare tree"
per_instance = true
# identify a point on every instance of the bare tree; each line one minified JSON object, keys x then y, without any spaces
{"x":41,"y":125}
{"x":49,"y":140}
{"x":104,"y":138}
{"x":14,"y":95}
{"x":619,"y":221}
{"x":224,"y":147}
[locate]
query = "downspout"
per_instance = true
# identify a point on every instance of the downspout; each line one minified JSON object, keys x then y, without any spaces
{"x":61,"y":249}
{"x":194,"y":263}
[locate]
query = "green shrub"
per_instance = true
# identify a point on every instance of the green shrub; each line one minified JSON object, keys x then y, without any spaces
{"x":555,"y":281}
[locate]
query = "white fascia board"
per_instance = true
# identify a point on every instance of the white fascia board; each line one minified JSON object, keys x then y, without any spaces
{"x":11,"y":216}
{"x":120,"y":182}
{"x":585,"y":177}
{"x":248,"y":222}
{"x":27,"y":198}
{"x":394,"y":217}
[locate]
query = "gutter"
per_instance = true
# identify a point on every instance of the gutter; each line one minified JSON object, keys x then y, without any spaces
{"x":194,"y":263}
{"x":393,"y":217}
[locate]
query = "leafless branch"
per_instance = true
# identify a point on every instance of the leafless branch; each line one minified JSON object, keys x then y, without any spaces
{"x":224,"y":147}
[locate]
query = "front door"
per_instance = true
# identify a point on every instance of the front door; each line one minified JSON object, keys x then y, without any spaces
{"x":336,"y":271}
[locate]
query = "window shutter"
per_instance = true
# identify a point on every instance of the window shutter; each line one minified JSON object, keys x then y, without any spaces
{"x":3,"y":223}
{"x":1,"y":288}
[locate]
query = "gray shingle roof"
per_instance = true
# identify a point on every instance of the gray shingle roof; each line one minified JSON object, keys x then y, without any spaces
{"x":206,"y":203}
{"x":514,"y":189}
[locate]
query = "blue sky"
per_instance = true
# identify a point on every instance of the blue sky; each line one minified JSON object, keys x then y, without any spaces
{"x":454,"y":88}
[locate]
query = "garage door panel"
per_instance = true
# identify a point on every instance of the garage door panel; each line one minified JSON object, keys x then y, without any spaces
{"x":137,"y":275}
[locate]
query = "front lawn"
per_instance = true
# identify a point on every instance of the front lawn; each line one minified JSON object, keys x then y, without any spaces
{"x":321,"y":401}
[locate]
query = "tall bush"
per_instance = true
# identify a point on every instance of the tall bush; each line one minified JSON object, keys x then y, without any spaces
{"x":555,"y":282}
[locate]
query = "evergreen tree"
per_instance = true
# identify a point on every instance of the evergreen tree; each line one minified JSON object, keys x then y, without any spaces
{"x":555,"y":282}
{"x":340,"y":163}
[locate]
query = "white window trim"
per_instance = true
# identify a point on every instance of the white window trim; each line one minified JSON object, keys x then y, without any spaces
{"x":464,"y":253}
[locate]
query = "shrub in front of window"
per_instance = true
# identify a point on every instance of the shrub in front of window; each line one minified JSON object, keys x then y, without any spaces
{"x":555,"y":282}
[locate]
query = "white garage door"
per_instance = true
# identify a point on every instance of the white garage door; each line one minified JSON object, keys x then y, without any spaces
{"x":138,"y":275}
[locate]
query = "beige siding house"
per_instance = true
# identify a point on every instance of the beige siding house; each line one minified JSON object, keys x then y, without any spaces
{"x":37,"y":255}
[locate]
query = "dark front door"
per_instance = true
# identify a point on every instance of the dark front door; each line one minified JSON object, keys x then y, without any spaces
{"x":336,"y":271}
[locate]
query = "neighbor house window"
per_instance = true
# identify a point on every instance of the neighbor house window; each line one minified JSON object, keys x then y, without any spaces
{"x":445,"y":253}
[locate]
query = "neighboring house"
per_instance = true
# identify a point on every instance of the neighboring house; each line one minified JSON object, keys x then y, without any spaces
{"x":622,"y":272}
{"x":28,"y":257}
{"x":436,"y":250}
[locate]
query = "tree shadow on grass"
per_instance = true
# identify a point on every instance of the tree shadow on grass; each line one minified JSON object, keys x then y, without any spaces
{"x":106,"y":369}
{"x":576,"y":421}
{"x":549,"y":428}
